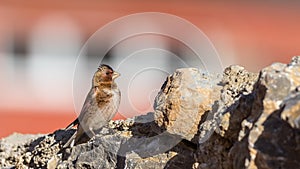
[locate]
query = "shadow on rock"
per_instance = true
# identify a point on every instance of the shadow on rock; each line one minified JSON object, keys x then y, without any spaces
{"x":147,"y":148}
{"x":277,"y":142}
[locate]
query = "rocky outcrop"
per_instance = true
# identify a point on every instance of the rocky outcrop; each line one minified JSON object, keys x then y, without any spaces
{"x":184,"y":99}
{"x":235,"y":120}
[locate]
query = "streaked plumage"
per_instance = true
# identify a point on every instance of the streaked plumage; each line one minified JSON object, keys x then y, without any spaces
{"x":100,"y":106}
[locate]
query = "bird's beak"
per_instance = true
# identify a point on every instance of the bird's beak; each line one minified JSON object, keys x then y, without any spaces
{"x":115,"y":75}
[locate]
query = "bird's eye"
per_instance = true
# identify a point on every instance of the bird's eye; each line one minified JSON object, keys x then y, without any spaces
{"x":107,"y":73}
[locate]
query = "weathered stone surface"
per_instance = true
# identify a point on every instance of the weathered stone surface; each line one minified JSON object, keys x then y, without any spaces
{"x":256,"y":120}
{"x":219,"y":132}
{"x":13,"y":150}
{"x":245,"y":120}
{"x":133,"y":160}
{"x":184,"y":99}
{"x":100,"y":153}
{"x":273,"y":141}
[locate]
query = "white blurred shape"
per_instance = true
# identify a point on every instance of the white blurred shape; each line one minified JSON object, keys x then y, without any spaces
{"x":54,"y":46}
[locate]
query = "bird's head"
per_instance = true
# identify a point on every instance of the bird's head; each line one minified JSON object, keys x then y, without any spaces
{"x":104,"y":74}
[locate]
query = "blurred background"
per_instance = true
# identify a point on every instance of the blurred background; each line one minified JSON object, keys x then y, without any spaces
{"x":40,"y":42}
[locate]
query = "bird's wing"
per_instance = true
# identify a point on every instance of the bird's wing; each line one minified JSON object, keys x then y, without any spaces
{"x":87,"y":104}
{"x":84,"y":109}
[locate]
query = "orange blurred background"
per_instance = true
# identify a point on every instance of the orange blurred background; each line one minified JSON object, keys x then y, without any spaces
{"x":40,"y":40}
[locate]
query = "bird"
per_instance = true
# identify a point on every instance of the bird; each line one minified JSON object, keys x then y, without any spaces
{"x":100,"y":106}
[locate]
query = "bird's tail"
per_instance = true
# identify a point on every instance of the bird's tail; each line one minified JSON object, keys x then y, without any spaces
{"x":70,"y":141}
{"x":75,"y":122}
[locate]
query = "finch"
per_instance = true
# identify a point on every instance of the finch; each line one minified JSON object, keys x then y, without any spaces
{"x":100,"y":106}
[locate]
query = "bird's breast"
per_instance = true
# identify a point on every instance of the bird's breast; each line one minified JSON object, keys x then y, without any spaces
{"x":108,"y":101}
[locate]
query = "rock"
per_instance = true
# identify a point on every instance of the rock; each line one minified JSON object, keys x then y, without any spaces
{"x":236,"y":84}
{"x":291,"y":111}
{"x":201,"y":120}
{"x":13,"y":150}
{"x":222,"y":126}
{"x":252,"y":132}
{"x":134,"y":161}
{"x":101,"y":153}
{"x":274,"y":140}
{"x":183,"y":100}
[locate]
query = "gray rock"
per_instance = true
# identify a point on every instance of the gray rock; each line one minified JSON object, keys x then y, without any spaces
{"x":183,"y":101}
{"x":274,"y":141}
{"x":244,"y":120}
{"x":257,"y":120}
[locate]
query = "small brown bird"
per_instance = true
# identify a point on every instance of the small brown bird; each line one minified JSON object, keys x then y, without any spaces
{"x":100,"y":106}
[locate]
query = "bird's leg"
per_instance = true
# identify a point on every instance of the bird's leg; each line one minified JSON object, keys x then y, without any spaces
{"x":93,"y":133}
